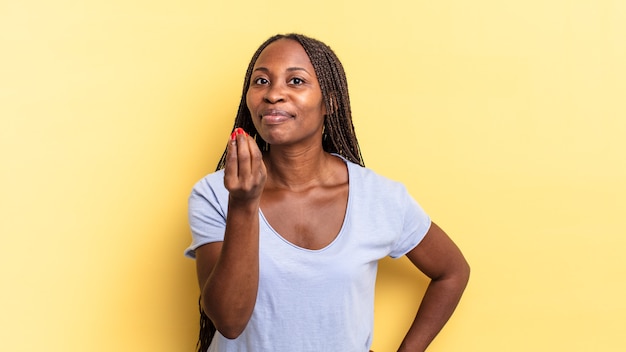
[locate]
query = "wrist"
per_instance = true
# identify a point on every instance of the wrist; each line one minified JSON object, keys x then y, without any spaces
{"x":243,"y":205}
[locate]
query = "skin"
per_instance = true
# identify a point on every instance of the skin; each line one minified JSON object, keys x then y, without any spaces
{"x":303,"y":192}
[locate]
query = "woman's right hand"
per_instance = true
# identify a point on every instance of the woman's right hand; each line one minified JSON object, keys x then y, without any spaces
{"x":244,"y":173}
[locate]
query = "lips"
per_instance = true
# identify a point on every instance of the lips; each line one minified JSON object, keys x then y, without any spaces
{"x":275,"y":116}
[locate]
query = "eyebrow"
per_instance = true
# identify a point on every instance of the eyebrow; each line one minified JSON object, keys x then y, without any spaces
{"x":290,"y":69}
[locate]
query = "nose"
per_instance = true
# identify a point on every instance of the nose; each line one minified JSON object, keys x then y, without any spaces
{"x":274,"y":94}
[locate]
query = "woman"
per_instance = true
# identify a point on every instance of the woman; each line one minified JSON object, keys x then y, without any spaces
{"x":288,"y":232}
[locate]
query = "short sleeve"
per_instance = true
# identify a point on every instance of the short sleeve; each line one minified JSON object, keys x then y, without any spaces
{"x":415,"y":226}
{"x":208,"y":204}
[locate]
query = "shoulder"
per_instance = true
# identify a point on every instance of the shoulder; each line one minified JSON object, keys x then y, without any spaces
{"x":370,"y":188}
{"x":212,"y":180}
{"x":368,"y":178}
{"x":210,"y":187}
{"x":365,"y":176}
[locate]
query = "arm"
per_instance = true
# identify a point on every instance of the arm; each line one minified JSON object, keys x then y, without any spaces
{"x":442,"y":261}
{"x":228,"y":272}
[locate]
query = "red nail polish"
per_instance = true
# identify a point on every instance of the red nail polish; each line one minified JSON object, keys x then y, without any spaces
{"x":233,"y":136}
{"x":239,"y":130}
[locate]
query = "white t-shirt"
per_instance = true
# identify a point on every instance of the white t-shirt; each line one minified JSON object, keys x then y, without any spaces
{"x":316,"y":300}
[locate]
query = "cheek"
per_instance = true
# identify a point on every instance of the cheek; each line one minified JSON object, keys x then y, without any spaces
{"x":248,"y":100}
{"x":250,"y":108}
{"x":312,"y":101}
{"x":321,"y":106}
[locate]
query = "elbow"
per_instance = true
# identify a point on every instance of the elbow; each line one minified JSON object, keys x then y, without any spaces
{"x":230,"y":331}
{"x":458,"y":275}
{"x":464,"y":273}
{"x":464,"y":270}
{"x":229,"y":325}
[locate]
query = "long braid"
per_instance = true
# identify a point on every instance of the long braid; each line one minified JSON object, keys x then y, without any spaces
{"x":207,"y":331}
{"x":339,"y":135}
{"x":339,"y":132}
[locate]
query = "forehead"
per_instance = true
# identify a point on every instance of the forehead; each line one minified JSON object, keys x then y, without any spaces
{"x":284,"y":52}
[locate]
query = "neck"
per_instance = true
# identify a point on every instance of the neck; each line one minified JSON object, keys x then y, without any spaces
{"x":297,"y":169}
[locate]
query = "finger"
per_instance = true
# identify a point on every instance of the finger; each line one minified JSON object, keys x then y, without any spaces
{"x":257,"y":164}
{"x":243,"y":155}
{"x":231,"y":169}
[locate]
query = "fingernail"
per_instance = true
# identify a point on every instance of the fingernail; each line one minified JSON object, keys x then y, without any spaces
{"x":239,"y":130}
{"x":233,"y":136}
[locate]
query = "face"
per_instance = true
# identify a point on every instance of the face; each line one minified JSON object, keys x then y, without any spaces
{"x":284,"y":97}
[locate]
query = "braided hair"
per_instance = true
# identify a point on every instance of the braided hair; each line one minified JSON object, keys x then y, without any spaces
{"x":338,"y":137}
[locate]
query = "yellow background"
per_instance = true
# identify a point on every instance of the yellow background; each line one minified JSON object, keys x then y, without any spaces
{"x":506,"y":120}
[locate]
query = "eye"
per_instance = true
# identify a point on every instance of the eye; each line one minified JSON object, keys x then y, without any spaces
{"x":296,"y":81}
{"x":260,"y":81}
